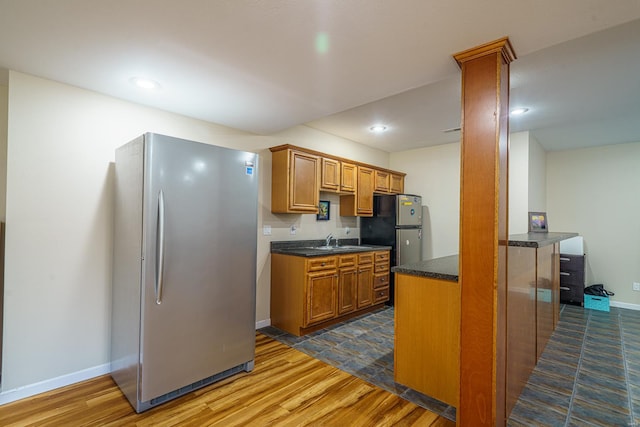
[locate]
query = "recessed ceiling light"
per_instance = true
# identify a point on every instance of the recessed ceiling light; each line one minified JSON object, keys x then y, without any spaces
{"x":378,"y":128}
{"x":519,"y":111}
{"x":145,"y":83}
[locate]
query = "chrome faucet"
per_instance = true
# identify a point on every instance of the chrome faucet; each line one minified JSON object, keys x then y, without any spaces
{"x":328,"y":240}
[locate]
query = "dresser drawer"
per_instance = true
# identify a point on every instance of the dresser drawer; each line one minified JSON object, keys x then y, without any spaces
{"x":365,"y":258}
{"x":382,"y":257}
{"x":381,"y":267}
{"x":324,"y":263}
{"x":380,"y":295}
{"x":571,"y":262}
{"x":381,"y":280}
{"x":572,"y":278}
{"x":572,"y":294}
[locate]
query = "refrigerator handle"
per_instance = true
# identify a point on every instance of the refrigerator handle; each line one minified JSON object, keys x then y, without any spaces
{"x":160,"y":248}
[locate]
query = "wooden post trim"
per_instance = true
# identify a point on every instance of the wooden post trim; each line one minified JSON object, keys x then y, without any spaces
{"x":483,"y":232}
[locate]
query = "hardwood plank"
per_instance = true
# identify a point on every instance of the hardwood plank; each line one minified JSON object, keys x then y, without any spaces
{"x":286,"y":387}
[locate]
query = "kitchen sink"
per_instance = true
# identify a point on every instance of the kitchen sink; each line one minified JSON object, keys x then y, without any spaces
{"x":338,"y":248}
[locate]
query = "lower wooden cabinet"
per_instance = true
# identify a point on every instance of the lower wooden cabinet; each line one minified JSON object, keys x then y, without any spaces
{"x":427,"y":336}
{"x":347,"y":283}
{"x":310,"y":293}
{"x":321,"y":301}
{"x":381,"y":277}
{"x":365,"y":279}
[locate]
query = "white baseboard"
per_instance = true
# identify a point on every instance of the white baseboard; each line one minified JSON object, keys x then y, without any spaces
{"x":263,"y":323}
{"x":64,"y":380}
{"x":53,"y":383}
{"x":624,"y":305}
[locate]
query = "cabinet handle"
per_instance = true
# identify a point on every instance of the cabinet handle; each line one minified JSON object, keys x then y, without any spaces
{"x":160,"y":248}
{"x":564,"y":288}
{"x":562,"y":273}
{"x":565,"y":259}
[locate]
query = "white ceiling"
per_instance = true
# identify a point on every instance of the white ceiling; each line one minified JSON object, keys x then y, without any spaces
{"x":341,"y":65}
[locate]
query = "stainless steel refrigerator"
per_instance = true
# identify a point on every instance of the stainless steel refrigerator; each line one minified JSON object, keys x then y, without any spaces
{"x":396,"y":222}
{"x":184,"y":273}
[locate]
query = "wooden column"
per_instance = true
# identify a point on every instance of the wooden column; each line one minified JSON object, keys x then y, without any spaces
{"x":483,"y":232}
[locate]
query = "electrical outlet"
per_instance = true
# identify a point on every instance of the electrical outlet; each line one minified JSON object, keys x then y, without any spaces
{"x":347,"y":230}
{"x":266,"y":230}
{"x":636,"y":286}
{"x":293,"y":229}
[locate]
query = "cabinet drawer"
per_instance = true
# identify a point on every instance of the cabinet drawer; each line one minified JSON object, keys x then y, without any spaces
{"x":324,"y":263}
{"x":381,"y":280}
{"x":382,"y":256}
{"x":365,"y":258}
{"x":381,"y":267}
{"x":571,"y":262}
{"x":381,"y":295}
{"x":571,"y":294}
{"x":572,"y":278}
{"x":347,"y":260}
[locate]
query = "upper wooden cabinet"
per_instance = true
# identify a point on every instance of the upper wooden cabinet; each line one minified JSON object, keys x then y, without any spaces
{"x":298,"y":176}
{"x":396,"y":183}
{"x":295,"y":182}
{"x":361,"y":203}
{"x":382,"y":181}
{"x":330,"y":175}
{"x":388,"y":182}
{"x":348,"y":178}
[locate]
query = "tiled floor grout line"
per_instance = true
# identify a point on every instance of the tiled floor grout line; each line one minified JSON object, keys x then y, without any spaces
{"x":626,"y":372}
{"x":575,"y":380}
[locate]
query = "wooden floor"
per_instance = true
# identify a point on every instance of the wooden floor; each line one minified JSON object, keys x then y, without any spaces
{"x":286,"y":388}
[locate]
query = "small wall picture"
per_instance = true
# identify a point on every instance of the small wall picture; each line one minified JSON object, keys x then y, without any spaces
{"x":323,"y":210}
{"x":538,"y":222}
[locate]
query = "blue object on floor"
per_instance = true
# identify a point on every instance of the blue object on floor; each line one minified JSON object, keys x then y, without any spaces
{"x":596,"y":302}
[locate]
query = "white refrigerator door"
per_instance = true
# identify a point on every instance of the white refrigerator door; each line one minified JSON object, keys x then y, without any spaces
{"x":199,"y":274}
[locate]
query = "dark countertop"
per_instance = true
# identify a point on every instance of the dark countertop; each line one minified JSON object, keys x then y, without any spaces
{"x":445,"y":268}
{"x":307,"y":248}
{"x":538,"y":240}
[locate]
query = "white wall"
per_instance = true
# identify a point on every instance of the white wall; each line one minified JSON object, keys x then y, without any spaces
{"x":594,"y":192}
{"x":4,"y":107}
{"x":537,"y":177}
{"x":527,"y":180}
{"x":434,"y":173}
{"x":518,"y":182}
{"x":61,"y":143}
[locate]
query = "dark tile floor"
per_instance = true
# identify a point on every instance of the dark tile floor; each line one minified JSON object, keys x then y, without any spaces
{"x":588,"y":375}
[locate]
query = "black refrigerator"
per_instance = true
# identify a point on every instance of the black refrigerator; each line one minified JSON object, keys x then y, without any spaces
{"x":396,"y":222}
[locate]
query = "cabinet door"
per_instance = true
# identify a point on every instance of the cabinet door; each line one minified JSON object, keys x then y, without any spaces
{"x":365,"y":191}
{"x":381,"y":181}
{"x":347,"y":284}
{"x":348,"y":178}
{"x":330,"y":175}
{"x":365,"y":285}
{"x":304,"y":192}
{"x":396,"y":184}
{"x":321,"y":296}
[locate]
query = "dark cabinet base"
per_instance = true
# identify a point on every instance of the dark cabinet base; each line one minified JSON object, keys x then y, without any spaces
{"x":572,"y":279}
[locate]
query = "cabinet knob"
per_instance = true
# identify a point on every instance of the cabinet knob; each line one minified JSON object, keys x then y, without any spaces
{"x":323,"y":264}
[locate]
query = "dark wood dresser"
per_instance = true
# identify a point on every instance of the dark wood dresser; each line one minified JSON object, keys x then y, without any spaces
{"x":572,"y":276}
